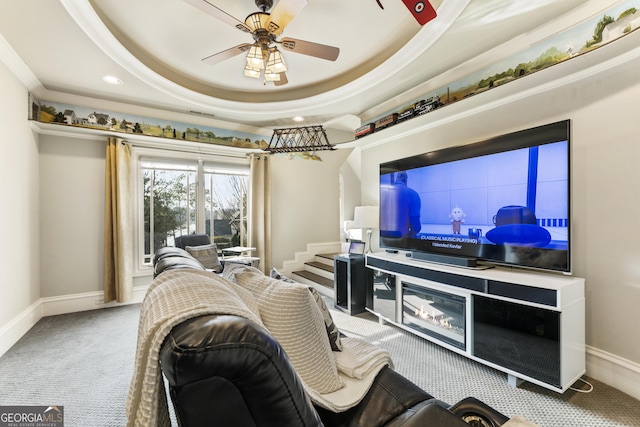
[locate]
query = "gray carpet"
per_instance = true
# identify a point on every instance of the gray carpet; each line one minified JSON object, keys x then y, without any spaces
{"x":83,"y":361}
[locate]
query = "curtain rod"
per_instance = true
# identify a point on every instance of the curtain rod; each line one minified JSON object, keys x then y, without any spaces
{"x":192,"y":147}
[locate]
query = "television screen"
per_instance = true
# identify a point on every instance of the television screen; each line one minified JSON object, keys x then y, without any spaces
{"x":503,"y":200}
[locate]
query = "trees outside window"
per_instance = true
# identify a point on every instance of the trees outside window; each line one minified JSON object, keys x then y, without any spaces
{"x":226,"y":209}
{"x":169,"y":207}
{"x":176,"y":202}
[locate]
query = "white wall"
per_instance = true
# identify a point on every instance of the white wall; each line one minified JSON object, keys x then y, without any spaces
{"x":71,"y":214}
{"x":604,"y":112}
{"x":305,"y":203}
{"x":19,"y":254}
{"x":350,"y":196}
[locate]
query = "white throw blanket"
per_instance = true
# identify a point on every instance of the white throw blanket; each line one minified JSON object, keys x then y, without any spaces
{"x":358,"y":364}
{"x":358,"y":358}
{"x":173,"y":297}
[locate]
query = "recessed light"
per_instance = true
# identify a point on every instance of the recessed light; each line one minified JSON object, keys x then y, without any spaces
{"x":112,"y":80}
{"x":298,"y":119}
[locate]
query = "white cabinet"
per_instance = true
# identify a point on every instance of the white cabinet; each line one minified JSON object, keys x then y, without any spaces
{"x":527,"y":324}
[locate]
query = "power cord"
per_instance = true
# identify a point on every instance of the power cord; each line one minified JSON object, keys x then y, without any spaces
{"x":589,"y":390}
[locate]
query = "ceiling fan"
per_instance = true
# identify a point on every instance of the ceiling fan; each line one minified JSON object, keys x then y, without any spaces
{"x":263,"y":56}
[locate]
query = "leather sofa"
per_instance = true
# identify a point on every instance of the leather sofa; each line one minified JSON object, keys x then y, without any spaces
{"x":226,"y":370}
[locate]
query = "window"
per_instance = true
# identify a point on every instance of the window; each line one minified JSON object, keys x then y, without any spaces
{"x":187,"y":196}
{"x":225,"y":207}
{"x":169,"y":202}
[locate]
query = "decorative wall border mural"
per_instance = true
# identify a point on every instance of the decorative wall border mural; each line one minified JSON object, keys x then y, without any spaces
{"x":99,"y":119}
{"x":585,"y":37}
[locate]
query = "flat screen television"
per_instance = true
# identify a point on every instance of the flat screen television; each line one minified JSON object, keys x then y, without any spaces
{"x":504,"y":200}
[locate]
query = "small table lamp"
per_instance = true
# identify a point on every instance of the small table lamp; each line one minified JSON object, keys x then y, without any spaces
{"x":366,"y":217}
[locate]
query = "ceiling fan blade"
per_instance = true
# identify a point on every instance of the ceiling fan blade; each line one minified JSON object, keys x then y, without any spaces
{"x":318,"y":50}
{"x":226,"y":54}
{"x":282,"y":14}
{"x":216,"y":12}
{"x":283,"y":80}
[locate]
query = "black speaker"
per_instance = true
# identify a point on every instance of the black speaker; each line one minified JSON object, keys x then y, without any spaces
{"x":446,"y":259}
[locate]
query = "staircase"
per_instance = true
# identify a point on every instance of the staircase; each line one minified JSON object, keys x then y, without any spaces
{"x":318,"y":273}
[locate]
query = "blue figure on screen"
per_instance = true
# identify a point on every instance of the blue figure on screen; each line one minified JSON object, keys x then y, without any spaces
{"x":457,"y":218}
{"x":517,"y":225}
{"x":399,"y":209}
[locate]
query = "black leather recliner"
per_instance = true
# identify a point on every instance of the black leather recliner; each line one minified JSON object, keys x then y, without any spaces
{"x":192,"y":240}
{"x":225,"y":370}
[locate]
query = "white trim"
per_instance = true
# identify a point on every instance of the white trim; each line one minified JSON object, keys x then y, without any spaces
{"x":51,"y":306}
{"x":74,"y":303}
{"x":16,"y":65}
{"x":19,"y":325}
{"x":616,"y":371}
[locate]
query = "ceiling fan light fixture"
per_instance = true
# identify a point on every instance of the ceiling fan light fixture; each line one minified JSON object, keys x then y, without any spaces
{"x":254,"y":57}
{"x":262,"y":57}
{"x":271,"y":77}
{"x":251,"y":72}
{"x":275,"y":62}
{"x":257,"y":20}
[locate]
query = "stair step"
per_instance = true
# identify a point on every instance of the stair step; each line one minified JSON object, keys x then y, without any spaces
{"x":327,"y":256}
{"x":315,"y":278}
{"x":320,"y":265}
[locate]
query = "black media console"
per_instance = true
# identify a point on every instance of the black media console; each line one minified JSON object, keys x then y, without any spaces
{"x":529,"y":325}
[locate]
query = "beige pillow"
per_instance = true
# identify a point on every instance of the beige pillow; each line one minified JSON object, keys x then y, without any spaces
{"x":256,"y":283}
{"x":207,"y":255}
{"x":290,"y":313}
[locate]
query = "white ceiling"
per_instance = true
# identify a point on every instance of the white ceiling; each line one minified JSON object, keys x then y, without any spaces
{"x":62,"y":48}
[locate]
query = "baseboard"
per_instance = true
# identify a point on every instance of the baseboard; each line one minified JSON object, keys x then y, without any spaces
{"x":19,"y":325}
{"x":614,"y":370}
{"x":51,"y":306}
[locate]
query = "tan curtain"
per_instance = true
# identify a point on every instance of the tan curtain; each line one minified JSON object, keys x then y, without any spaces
{"x":118,"y":234}
{"x":260,"y":232}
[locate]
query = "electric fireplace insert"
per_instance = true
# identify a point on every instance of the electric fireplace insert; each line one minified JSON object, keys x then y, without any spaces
{"x":438,"y":314}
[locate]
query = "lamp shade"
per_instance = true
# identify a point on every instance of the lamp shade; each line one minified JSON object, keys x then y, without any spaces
{"x":257,"y":20}
{"x":251,"y":72}
{"x":275,"y":62}
{"x":271,"y":77}
{"x":255,"y":58}
{"x":366,"y":217}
